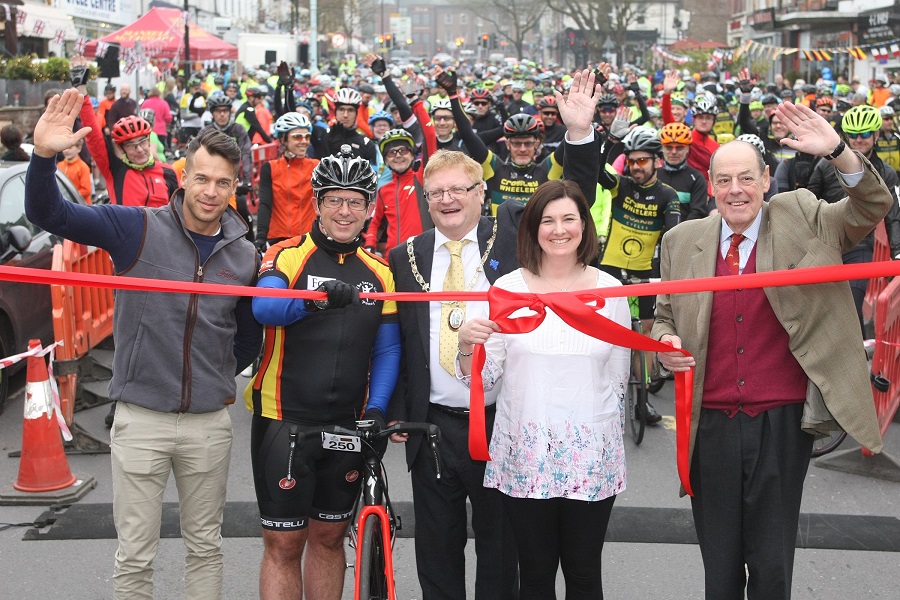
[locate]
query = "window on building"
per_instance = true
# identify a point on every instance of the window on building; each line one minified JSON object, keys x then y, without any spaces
{"x":448,"y":19}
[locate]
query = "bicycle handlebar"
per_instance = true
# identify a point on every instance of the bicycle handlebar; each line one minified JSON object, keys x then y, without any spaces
{"x":366,"y":430}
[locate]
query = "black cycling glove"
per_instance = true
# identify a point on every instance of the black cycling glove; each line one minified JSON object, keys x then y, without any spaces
{"x":340,"y":294}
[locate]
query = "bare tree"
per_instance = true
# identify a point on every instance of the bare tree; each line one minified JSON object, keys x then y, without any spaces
{"x":591,"y":18}
{"x":512,"y":19}
{"x":599,"y":20}
{"x":625,"y":13}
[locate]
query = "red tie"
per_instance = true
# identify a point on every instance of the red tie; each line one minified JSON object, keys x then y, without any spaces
{"x":733,"y":258}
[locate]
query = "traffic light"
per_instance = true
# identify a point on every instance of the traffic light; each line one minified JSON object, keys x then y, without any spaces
{"x":485,"y":41}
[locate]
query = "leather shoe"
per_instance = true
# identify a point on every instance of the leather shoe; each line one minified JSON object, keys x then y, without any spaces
{"x":653,"y":417}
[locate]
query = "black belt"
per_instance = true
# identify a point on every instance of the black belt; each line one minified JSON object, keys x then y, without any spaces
{"x":459,"y":413}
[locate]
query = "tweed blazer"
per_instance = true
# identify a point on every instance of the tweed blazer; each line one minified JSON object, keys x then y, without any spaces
{"x":797,"y":230}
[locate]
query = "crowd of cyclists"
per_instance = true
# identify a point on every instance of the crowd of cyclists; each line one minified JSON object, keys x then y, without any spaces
{"x":657,"y":133}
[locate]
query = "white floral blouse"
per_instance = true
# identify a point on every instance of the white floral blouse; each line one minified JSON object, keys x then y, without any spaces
{"x":560,"y":417}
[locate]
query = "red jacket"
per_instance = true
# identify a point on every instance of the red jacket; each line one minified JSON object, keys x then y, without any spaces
{"x":149,"y":187}
{"x":400,"y":210}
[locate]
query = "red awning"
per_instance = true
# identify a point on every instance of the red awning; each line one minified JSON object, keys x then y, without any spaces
{"x":161,"y":33}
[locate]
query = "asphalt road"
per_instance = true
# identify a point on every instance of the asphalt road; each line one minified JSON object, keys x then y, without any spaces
{"x":81,"y":569}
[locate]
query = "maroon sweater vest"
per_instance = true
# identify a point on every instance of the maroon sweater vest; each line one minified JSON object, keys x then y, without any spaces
{"x":749,"y":365}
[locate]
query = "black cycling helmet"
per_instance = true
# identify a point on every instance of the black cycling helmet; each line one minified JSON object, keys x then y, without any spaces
{"x":607,"y":100}
{"x":343,"y":171}
{"x":219,"y":101}
{"x":219,"y":80}
{"x":520,"y":125}
{"x":770,"y":99}
{"x":644,"y":139}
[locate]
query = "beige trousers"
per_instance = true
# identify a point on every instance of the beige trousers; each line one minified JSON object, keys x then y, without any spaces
{"x":146,"y":447}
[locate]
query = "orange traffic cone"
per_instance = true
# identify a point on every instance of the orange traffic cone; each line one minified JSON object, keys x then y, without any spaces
{"x":43,"y":467}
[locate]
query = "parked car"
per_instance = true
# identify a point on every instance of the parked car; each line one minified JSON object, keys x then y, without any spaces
{"x":25,"y":308}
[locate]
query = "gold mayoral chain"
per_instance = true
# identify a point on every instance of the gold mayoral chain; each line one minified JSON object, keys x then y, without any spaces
{"x":455,"y":319}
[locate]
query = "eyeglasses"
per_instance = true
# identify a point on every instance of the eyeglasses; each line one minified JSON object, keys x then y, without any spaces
{"x":457,"y":193}
{"x":442,"y":118}
{"x":304,"y":137}
{"x":605,"y":109}
{"x":398,"y":151}
{"x":480,"y":103}
{"x":640,"y":162}
{"x":548,"y":113}
{"x":865,"y":135}
{"x":675,"y":147}
{"x":136,"y":143}
{"x":357,"y":204}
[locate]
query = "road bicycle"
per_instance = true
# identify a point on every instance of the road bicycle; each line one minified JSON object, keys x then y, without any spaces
{"x":374,"y":520}
{"x":639,"y":374}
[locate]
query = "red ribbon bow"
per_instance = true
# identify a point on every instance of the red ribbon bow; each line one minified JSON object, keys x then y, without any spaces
{"x":574,"y":310}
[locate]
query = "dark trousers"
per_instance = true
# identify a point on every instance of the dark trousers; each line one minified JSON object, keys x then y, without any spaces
{"x":747,"y":474}
{"x":441,"y":521}
{"x":554,"y":532}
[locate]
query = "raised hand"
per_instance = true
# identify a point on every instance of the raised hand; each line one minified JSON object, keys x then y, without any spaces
{"x":812,"y":133}
{"x":621,"y":125}
{"x":577,"y":108}
{"x":446,"y":79}
{"x":53,"y":132}
{"x":670,"y":82}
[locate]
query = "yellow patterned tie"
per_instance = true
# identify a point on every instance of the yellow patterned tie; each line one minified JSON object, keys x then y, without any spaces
{"x":454,"y":280}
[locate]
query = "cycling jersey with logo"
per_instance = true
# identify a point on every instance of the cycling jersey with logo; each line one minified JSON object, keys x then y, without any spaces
{"x":505,"y":181}
{"x":640,"y":215}
{"x":327,"y":378}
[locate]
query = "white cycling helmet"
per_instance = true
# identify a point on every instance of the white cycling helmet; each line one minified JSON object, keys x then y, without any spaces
{"x":291,"y":121}
{"x":347,"y":96}
{"x":754,"y":140}
{"x":442,"y":104}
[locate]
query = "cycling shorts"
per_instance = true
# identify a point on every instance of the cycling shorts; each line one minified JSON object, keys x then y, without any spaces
{"x":646,"y":304}
{"x":323,"y":485}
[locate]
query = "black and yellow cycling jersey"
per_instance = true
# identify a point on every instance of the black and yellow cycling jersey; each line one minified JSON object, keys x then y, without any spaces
{"x":640,"y":215}
{"x":506,"y":181}
{"x":316,"y":370}
{"x":887,"y":147}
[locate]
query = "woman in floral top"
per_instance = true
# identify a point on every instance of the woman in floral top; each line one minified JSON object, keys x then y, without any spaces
{"x":557,"y":449}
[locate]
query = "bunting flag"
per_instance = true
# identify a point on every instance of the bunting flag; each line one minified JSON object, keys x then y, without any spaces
{"x":20,"y":16}
{"x":60,"y":37}
{"x":102,"y":48}
{"x":38,"y":28}
{"x":80,"y":44}
{"x":6,"y":13}
{"x":764,"y":51}
{"x":666,"y":55}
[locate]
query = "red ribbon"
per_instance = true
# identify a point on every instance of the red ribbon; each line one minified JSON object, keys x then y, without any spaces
{"x":572,"y":306}
{"x":574,"y":310}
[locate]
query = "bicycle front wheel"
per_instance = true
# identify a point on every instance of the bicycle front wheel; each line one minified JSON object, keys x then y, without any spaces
{"x":825,"y":445}
{"x":636,"y":397}
{"x":372,"y":580}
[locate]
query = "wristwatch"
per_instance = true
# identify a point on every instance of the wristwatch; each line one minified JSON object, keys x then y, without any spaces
{"x":837,"y":151}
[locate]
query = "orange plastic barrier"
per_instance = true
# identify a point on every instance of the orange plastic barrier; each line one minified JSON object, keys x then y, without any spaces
{"x":886,"y":360}
{"x":261,"y":154}
{"x":82,"y":316}
{"x":876,"y":286}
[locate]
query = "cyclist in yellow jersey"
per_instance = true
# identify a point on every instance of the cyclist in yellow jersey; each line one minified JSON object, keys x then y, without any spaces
{"x":887,"y":146}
